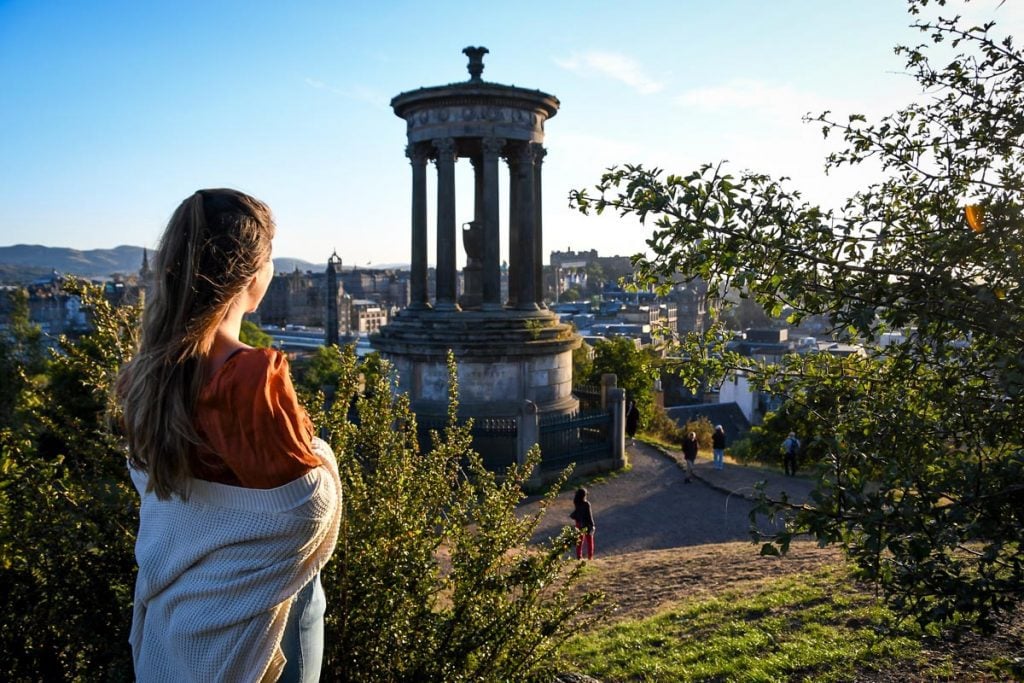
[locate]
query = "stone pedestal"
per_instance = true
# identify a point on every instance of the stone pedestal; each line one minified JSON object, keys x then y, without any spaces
{"x":504,"y":359}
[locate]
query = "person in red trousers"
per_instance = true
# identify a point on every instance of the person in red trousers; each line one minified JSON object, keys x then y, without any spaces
{"x":584,"y":518}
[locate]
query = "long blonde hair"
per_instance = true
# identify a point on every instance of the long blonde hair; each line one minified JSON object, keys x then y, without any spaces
{"x":214,"y":244}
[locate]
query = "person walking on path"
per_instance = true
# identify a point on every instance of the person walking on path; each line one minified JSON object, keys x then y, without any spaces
{"x":690,"y":448}
{"x":632,"y":421}
{"x":718,"y":447}
{"x":240,"y":502}
{"x":584,"y":518}
{"x":790,"y":449}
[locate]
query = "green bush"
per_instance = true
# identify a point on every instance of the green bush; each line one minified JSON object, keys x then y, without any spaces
{"x":662,"y":427}
{"x":68,"y":515}
{"x":665,"y":429}
{"x":635,"y":370}
{"x":742,"y":450}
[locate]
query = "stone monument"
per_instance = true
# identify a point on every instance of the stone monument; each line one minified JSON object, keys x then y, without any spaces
{"x":514,"y":357}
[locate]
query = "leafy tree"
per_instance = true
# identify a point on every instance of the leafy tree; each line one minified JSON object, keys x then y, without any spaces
{"x":252,"y":335}
{"x":323,"y":370}
{"x":571,"y":294}
{"x":635,"y":369}
{"x":582,"y":364}
{"x":923,"y":439}
{"x":326,"y":370}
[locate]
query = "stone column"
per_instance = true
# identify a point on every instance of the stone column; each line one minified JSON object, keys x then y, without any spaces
{"x":446,"y":228}
{"x":538,"y":228}
{"x":492,"y":238}
{"x":418,"y":276}
{"x":513,"y":227}
{"x":478,"y":188}
{"x":528,"y":433}
{"x":527,"y":277}
{"x":609,"y":381}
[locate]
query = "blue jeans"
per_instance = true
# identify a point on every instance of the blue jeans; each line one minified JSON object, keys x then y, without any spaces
{"x":719,"y":458}
{"x":303,"y":640}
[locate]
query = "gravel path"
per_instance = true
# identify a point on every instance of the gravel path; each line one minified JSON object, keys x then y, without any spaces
{"x":651,"y":507}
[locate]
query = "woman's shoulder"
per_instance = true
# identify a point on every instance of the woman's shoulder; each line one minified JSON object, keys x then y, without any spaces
{"x":258,"y":357}
{"x":247,"y":369}
{"x":250,"y":359}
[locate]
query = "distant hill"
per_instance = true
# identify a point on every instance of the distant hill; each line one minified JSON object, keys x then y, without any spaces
{"x":23,"y":263}
{"x":288,"y":265}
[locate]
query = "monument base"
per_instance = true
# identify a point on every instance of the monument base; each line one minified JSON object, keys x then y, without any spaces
{"x":509,"y":364}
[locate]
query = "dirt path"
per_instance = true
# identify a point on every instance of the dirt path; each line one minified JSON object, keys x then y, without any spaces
{"x":651,"y":507}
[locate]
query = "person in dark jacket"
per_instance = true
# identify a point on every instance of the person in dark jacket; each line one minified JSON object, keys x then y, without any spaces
{"x":690,"y":448}
{"x":790,"y":451}
{"x":584,"y":518}
{"x":718,"y":447}
{"x":632,"y":421}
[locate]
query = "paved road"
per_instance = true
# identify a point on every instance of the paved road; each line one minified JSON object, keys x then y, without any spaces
{"x":651,"y":507}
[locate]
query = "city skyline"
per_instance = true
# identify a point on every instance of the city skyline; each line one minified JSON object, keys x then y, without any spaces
{"x":113,"y":113}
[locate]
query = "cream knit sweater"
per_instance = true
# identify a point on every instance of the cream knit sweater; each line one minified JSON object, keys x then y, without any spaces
{"x":217,"y":573}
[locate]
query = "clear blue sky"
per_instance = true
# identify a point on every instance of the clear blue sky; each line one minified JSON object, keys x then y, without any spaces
{"x":112,"y":112}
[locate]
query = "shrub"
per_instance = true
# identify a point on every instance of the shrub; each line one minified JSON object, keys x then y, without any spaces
{"x":662,"y":427}
{"x":67,"y":515}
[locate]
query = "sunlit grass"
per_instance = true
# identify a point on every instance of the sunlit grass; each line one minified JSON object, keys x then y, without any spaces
{"x":807,"y":627}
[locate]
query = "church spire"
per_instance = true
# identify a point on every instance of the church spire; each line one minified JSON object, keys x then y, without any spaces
{"x":144,"y":270}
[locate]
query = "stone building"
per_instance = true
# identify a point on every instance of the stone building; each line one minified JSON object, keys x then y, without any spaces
{"x":586,"y":271}
{"x":691,"y":301}
{"x":298,"y":298}
{"x":309,"y":299}
{"x":367,"y":316}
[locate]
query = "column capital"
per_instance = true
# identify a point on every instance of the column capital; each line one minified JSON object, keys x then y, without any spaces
{"x":418,"y":154}
{"x":525,"y":153}
{"x":445,"y":148}
{"x":492,"y":146}
{"x":539,"y":152}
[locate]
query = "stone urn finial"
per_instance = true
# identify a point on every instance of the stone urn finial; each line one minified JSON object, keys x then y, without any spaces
{"x":476,"y":61}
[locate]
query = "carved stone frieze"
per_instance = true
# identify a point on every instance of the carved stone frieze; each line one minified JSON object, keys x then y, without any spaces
{"x":463,"y":120}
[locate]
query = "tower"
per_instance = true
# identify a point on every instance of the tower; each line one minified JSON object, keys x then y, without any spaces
{"x":331,"y":320}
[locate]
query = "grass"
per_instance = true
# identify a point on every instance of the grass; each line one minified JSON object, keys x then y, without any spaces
{"x":816,"y":626}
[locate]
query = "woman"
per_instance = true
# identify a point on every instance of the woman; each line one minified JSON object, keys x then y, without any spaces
{"x":240,"y":503}
{"x":632,"y":421}
{"x":690,"y":448}
{"x":584,"y":518}
{"x":718,"y":447}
